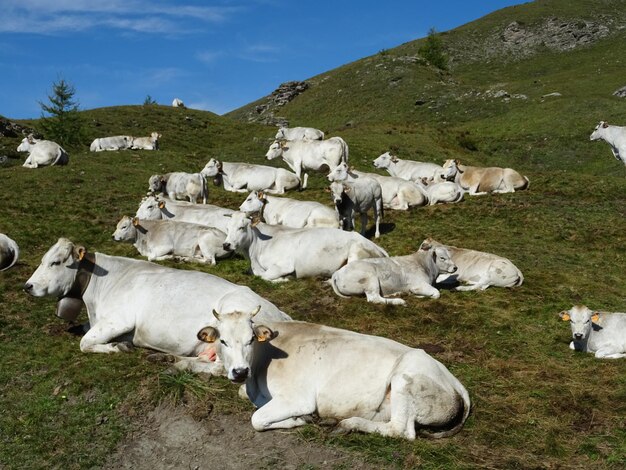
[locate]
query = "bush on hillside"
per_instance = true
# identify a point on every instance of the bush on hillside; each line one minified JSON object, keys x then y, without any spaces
{"x":432,"y":50}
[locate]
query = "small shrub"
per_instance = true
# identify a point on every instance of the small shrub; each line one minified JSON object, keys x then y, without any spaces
{"x":432,"y":50}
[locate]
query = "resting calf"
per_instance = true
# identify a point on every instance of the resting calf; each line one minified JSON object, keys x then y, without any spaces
{"x":601,"y":333}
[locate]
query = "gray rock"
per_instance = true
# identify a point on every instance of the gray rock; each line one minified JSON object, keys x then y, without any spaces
{"x":621,"y":93}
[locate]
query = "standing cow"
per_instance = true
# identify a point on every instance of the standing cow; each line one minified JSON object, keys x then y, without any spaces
{"x":302,"y":155}
{"x":615,"y":136}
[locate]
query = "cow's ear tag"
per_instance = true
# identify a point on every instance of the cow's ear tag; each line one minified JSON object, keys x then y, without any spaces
{"x":135,"y":221}
{"x":595,"y":317}
{"x":565,"y":316}
{"x":80,"y":252}
{"x":161,"y":205}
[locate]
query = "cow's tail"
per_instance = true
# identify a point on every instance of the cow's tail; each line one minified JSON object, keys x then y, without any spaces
{"x":62,"y":157}
{"x":526,"y":184}
{"x":15,"y":251}
{"x":333,"y":282}
{"x":520,"y":279}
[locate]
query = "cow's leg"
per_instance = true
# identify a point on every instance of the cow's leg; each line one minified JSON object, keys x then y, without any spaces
{"x":473,"y":190}
{"x":306,"y":179}
{"x":154,"y":257}
{"x":374,"y":297}
{"x":609,"y":352}
{"x":199,"y":365}
{"x":276,"y":273}
{"x":97,"y":338}
{"x":280,"y":413}
{"x":402,"y":421}
{"x":425,"y":291}
{"x":363,"y":223}
{"x":378,"y":212}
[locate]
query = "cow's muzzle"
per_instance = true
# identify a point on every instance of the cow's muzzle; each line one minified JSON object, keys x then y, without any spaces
{"x":227,"y":247}
{"x":578,"y":336}
{"x":28,"y":287}
{"x":239,"y":375}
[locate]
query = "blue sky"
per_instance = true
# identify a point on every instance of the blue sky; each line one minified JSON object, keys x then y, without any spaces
{"x":214,"y":55}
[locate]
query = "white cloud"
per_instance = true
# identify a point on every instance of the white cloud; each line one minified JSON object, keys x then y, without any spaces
{"x":209,"y":57}
{"x":143,"y":16}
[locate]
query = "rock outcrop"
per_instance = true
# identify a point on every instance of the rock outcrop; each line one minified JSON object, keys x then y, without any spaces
{"x":265,"y":112}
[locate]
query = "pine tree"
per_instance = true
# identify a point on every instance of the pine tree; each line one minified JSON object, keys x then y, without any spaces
{"x":61,"y":122}
{"x":432,"y":50}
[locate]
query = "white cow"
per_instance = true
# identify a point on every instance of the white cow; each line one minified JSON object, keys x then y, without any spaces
{"x":601,"y":333}
{"x":406,"y":169}
{"x":276,"y":252}
{"x":310,"y":155}
{"x":244,"y":177}
{"x":146,"y":143}
{"x":478,"y":270}
{"x":168,"y":239}
{"x":379,"y":277}
{"x":615,"y":136}
{"x":138,"y":303}
{"x":294,"y":370}
{"x":290,"y":212}
{"x":439,"y":190}
{"x":180,"y":185}
{"x":178,"y":103}
{"x":9,"y":252}
{"x":42,"y":153}
{"x":478,"y":181}
{"x":353,"y":194}
{"x":299,"y":133}
{"x":118,"y":142}
{"x":153,"y":208}
{"x":398,"y":193}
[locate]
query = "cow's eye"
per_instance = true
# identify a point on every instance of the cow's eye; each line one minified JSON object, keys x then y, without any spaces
{"x":55,"y":263}
{"x":242,"y":228}
{"x":223,"y":342}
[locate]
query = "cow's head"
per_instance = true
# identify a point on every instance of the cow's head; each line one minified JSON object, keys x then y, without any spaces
{"x":150,"y":209}
{"x":253,"y":203}
{"x":385,"y":160}
{"x":155,"y":136}
{"x":126,"y":230}
{"x":598,"y":131}
{"x":24,"y":145}
{"x":581,"y":319}
{"x":280,"y":134}
{"x":57,"y":271}
{"x":337,"y":190}
{"x":275,"y":150}
{"x":156,"y":183}
{"x":340,"y":173}
{"x":239,"y":231}
{"x":212,"y":168}
{"x":236,"y":334}
{"x":440,"y":256}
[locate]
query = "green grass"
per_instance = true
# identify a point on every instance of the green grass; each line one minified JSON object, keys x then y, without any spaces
{"x":536,"y":403}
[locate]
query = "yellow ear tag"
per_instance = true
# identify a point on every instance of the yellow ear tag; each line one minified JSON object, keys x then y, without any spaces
{"x":161,"y":205}
{"x":595,"y":317}
{"x":565,"y":317}
{"x":261,"y":339}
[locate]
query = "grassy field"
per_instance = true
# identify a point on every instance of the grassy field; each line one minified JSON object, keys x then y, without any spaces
{"x":536,"y":403}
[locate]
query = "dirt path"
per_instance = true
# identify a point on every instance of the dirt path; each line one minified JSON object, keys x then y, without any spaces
{"x":171,"y":438}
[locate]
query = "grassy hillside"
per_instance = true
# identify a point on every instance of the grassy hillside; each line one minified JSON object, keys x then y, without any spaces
{"x":536,"y":403}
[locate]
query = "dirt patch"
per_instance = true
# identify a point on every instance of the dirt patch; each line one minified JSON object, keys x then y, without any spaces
{"x":170,"y":438}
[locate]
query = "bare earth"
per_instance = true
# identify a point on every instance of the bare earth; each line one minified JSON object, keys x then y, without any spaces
{"x":171,"y":438}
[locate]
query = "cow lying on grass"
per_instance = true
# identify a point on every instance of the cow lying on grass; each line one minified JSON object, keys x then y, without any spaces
{"x":293,"y":370}
{"x":137,"y":303}
{"x":601,"y":333}
{"x":160,"y":240}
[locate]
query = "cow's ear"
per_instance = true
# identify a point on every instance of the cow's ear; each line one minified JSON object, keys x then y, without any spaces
{"x":605,"y":124}
{"x":79,"y":252}
{"x":565,"y":315}
{"x":426,"y":245}
{"x":255,"y":221}
{"x":208,"y":334}
{"x":328,"y":190}
{"x":135,"y":221}
{"x":394,"y":159}
{"x":263,"y":334}
{"x":161,"y":204}
{"x":346,"y":189}
{"x":261,"y":195}
{"x":595,"y":317}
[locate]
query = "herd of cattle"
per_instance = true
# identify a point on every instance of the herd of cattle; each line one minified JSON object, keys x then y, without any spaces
{"x":252,"y":341}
